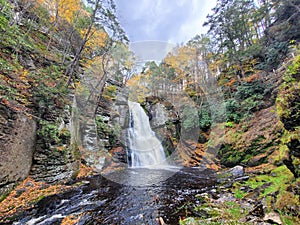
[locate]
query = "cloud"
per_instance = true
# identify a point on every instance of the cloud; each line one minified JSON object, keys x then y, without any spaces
{"x":151,"y":50}
{"x":175,"y":21}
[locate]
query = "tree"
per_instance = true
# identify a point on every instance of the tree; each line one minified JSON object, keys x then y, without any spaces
{"x":122,"y":63}
{"x":231,"y":30}
{"x":102,"y":16}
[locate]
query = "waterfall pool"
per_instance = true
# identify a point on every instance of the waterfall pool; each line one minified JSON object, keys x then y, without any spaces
{"x":102,"y":201}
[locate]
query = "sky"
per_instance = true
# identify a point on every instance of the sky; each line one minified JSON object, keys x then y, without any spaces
{"x":156,"y":26}
{"x":175,"y":21}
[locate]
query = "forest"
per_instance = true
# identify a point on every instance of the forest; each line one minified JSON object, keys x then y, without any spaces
{"x":224,"y":105}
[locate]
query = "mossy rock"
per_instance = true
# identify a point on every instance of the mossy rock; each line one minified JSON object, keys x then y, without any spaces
{"x":288,"y":100}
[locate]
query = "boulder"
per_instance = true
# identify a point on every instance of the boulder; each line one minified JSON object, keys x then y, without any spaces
{"x":272,"y":218}
{"x":237,"y":171}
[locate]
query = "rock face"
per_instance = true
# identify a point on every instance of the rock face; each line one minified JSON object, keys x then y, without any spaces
{"x":163,"y":121}
{"x":17,"y":139}
{"x":55,"y":160}
{"x":159,"y":115}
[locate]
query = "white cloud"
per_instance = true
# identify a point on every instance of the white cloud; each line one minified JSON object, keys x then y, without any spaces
{"x":193,"y":24}
{"x":164,"y":20}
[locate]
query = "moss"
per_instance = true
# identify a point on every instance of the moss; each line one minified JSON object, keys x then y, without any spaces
{"x":229,"y":124}
{"x":110,"y":92}
{"x":279,"y":178}
{"x":278,"y":188}
{"x":276,"y":181}
{"x":287,"y":102}
{"x":228,"y":211}
{"x":289,"y":220}
{"x":48,"y":131}
{"x":283,"y":155}
{"x":229,"y":156}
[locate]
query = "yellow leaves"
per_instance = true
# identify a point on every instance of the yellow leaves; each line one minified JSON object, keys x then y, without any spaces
{"x":138,"y":89}
{"x":65,"y":9}
{"x":129,"y":63}
{"x":97,"y":39}
{"x":181,"y":59}
{"x":23,"y":76}
{"x":134,"y":80}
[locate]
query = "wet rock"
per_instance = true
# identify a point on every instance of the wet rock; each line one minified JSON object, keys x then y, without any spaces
{"x":227,"y":177}
{"x":272,"y":218}
{"x":119,"y":154}
{"x":227,"y":197}
{"x":237,"y":171}
{"x":242,"y":178}
{"x":19,"y":192}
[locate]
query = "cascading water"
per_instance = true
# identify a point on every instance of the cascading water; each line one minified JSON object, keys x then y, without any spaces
{"x":143,"y":147}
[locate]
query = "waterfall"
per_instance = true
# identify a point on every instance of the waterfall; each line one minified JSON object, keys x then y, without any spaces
{"x":143,"y":147}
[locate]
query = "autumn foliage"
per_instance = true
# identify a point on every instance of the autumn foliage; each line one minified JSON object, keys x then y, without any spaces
{"x":25,"y":195}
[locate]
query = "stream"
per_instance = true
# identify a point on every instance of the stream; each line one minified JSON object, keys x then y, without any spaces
{"x":102,"y":201}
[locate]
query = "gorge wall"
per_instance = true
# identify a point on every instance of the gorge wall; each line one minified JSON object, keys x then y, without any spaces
{"x":17,"y":141}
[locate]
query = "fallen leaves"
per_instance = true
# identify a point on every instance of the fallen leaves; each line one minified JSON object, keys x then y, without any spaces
{"x":25,"y":195}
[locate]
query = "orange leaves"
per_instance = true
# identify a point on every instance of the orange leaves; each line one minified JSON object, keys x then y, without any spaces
{"x":84,"y":171}
{"x":251,"y":78}
{"x":231,"y":82}
{"x":71,"y":220}
{"x":26,"y":194}
{"x":5,"y":102}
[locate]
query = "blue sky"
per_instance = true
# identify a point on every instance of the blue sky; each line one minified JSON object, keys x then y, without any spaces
{"x":175,"y":21}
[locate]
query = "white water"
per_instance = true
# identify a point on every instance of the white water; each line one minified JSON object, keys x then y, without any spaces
{"x":144,"y":149}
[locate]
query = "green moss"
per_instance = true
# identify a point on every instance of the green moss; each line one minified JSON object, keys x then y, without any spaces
{"x":229,"y":124}
{"x":48,"y":131}
{"x":293,"y":71}
{"x":289,"y":220}
{"x":287,"y":102}
{"x":231,"y":212}
{"x":110,"y":92}
{"x":102,"y":127}
{"x":239,"y":194}
{"x":279,"y":179}
{"x":283,"y":155}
